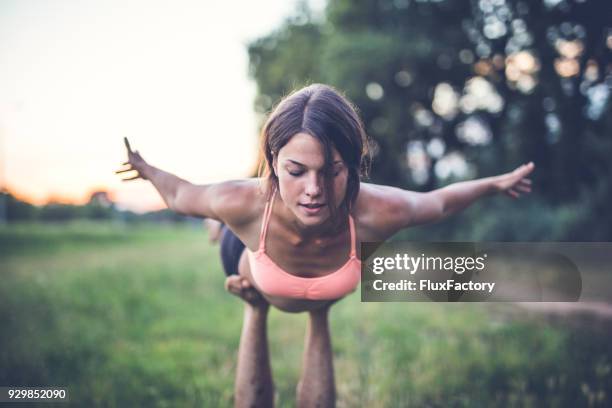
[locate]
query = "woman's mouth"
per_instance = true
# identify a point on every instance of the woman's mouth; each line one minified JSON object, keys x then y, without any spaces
{"x":312,"y":209}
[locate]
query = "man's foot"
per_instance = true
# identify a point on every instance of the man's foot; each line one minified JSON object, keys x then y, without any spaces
{"x":241,"y":287}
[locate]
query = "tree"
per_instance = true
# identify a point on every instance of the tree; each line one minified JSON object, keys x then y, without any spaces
{"x":450,"y":92}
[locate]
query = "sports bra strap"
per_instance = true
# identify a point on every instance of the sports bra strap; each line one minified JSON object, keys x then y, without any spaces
{"x":265,"y":221}
{"x":353,"y":253}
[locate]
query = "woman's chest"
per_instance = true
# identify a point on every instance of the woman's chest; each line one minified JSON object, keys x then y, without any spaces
{"x":308,"y":257}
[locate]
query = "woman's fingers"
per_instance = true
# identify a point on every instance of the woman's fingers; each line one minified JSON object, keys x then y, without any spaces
{"x":523,"y":185}
{"x":127,"y":144}
{"x":513,"y":193}
{"x":523,"y":188}
{"x":134,"y":163}
{"x":123,"y":170}
{"x":524,"y":169}
{"x":515,"y":183}
{"x":527,"y":168}
{"x":518,"y":175}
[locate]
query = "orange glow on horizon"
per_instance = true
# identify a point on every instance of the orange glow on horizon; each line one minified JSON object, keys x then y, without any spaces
{"x":43,"y":199}
{"x":148,"y":201}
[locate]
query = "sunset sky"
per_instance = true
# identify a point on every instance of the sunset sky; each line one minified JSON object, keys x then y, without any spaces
{"x":78,"y":76}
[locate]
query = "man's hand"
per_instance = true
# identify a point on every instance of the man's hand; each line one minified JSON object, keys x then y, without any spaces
{"x":241,"y":287}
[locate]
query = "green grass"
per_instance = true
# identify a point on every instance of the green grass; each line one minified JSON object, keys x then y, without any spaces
{"x":137,"y":316}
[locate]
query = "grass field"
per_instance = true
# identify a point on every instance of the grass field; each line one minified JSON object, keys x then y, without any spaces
{"x":137,"y":316}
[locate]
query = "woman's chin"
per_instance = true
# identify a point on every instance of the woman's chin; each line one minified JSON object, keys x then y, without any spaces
{"x":312,"y":221}
{"x":312,"y":218}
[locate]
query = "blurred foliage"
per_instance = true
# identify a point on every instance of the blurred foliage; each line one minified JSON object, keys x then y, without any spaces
{"x":451,"y":90}
{"x":15,"y":210}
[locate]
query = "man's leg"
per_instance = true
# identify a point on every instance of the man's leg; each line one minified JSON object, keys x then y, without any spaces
{"x":317,"y":386}
{"x":254,"y":386}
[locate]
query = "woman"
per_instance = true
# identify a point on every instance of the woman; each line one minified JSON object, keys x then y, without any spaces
{"x":302,"y":224}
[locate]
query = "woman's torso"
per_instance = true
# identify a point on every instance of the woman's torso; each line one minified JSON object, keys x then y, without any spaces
{"x":304,"y":257}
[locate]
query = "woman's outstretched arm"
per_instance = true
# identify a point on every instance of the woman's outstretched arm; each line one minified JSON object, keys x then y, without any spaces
{"x":398,"y":209}
{"x":220,"y":201}
{"x":457,"y":196}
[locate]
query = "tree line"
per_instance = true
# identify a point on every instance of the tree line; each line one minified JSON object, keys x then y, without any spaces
{"x":452,"y":90}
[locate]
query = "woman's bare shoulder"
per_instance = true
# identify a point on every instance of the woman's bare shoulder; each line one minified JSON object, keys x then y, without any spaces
{"x":240,"y":202}
{"x":375,"y":211}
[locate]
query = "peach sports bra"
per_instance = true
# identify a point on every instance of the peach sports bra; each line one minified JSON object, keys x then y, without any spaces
{"x":274,"y":281}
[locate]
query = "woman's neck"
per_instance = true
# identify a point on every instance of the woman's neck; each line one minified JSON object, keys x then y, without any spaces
{"x":328,"y":228}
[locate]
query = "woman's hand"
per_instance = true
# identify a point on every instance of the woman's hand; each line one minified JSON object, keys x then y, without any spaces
{"x":135,"y":162}
{"x":514,"y":183}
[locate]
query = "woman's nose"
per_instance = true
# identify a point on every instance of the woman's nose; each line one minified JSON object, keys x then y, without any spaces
{"x":313,"y":187}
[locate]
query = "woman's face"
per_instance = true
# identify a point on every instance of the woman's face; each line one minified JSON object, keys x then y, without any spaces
{"x":299,"y":167}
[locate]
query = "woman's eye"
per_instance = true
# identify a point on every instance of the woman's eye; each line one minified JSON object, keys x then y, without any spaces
{"x":295,"y":173}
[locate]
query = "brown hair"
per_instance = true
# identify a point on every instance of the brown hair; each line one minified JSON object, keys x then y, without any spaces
{"x":323,"y":113}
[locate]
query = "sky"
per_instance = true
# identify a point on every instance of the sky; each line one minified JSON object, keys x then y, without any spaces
{"x":172,"y":76}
